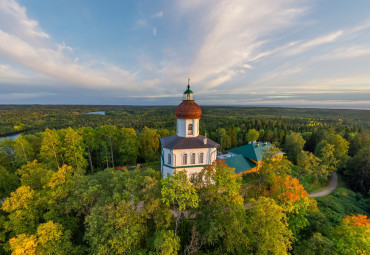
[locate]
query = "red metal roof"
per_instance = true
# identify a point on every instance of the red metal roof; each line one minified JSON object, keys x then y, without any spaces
{"x":188,"y":109}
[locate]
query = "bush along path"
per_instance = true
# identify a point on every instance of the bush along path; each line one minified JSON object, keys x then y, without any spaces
{"x":329,"y":189}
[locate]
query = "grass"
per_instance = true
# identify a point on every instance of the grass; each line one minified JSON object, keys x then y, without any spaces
{"x":311,"y":184}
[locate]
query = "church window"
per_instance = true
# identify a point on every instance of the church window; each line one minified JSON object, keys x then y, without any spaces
{"x":190,"y":129}
{"x":185,"y":159}
{"x":201,"y":156}
{"x":169,"y":159}
{"x":192,"y":158}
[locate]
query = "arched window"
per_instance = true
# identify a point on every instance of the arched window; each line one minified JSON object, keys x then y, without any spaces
{"x":169,"y":159}
{"x":192,"y":158}
{"x":201,"y":156}
{"x":190,"y":129}
{"x":185,"y":159}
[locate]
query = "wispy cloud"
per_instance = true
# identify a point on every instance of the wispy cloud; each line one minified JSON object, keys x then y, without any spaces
{"x":314,"y":43}
{"x":157,"y":15}
{"x":24,"y":42}
{"x":234,"y":33}
{"x":154,"y":31}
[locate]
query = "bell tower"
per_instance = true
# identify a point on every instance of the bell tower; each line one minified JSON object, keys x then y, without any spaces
{"x":188,"y":114}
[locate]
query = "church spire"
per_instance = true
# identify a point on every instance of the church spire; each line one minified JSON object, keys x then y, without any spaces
{"x":188,"y":94}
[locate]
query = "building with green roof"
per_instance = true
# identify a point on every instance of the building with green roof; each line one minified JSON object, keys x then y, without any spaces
{"x":247,"y":158}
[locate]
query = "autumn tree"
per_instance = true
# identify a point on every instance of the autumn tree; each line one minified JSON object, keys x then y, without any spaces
{"x":272,"y":166}
{"x":267,"y":228}
{"x":50,"y":238}
{"x":352,"y":235}
{"x":293,"y":198}
{"x":24,"y":210}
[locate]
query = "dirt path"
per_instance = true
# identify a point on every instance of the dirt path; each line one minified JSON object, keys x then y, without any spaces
{"x":329,"y":189}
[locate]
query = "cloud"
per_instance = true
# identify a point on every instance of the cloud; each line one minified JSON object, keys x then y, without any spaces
{"x":233,"y":33}
{"x":154,"y":31}
{"x":157,"y":15}
{"x":24,"y":43}
{"x":315,"y":42}
{"x":18,"y":96}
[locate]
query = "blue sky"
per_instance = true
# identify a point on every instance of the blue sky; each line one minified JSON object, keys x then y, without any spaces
{"x":236,"y":52}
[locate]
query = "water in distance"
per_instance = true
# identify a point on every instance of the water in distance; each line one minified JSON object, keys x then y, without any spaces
{"x":99,"y":113}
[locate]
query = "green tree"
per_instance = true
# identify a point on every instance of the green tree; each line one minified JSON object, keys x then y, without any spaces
{"x":128,"y":145}
{"x":316,"y":245}
{"x":329,"y":162}
{"x":178,"y":192}
{"x":224,"y":138}
{"x":23,"y":151}
{"x":114,"y":228}
{"x":50,"y":152}
{"x":293,"y":146}
{"x":166,"y":242}
{"x":8,"y":182}
{"x":7,"y":155}
{"x":233,"y":136}
{"x":149,"y":144}
{"x":34,"y":174}
{"x":220,"y":218}
{"x":108,"y":136}
{"x":359,"y":170}
{"x":90,"y":140}
{"x":309,"y":164}
{"x":341,"y":145}
{"x":267,"y":228}
{"x":252,"y":135}
{"x":74,"y":149}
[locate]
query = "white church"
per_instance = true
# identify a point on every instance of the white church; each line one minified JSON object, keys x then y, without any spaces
{"x":187,"y":149}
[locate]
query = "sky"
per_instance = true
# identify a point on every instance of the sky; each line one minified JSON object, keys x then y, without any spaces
{"x":297,"y":53}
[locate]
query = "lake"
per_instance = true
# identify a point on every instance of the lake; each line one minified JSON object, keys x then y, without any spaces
{"x":99,"y":113}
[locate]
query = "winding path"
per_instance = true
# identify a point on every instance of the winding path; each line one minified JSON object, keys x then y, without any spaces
{"x":329,"y":189}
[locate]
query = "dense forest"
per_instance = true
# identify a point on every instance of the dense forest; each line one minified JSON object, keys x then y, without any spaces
{"x":80,"y":183}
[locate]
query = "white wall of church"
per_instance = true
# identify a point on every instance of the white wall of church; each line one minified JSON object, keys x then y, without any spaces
{"x":209,"y":155}
{"x":182,"y":127}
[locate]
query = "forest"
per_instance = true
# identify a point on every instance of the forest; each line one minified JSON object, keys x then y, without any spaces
{"x":81,"y":183}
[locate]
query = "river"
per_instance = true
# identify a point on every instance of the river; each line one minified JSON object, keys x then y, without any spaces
{"x":11,"y":136}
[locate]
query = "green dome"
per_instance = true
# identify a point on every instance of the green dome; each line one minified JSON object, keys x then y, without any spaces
{"x":188,"y":91}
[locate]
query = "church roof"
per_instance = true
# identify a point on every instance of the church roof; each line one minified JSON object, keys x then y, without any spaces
{"x":188,"y":109}
{"x":177,"y":142}
{"x":252,"y":151}
{"x":240,"y":163}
